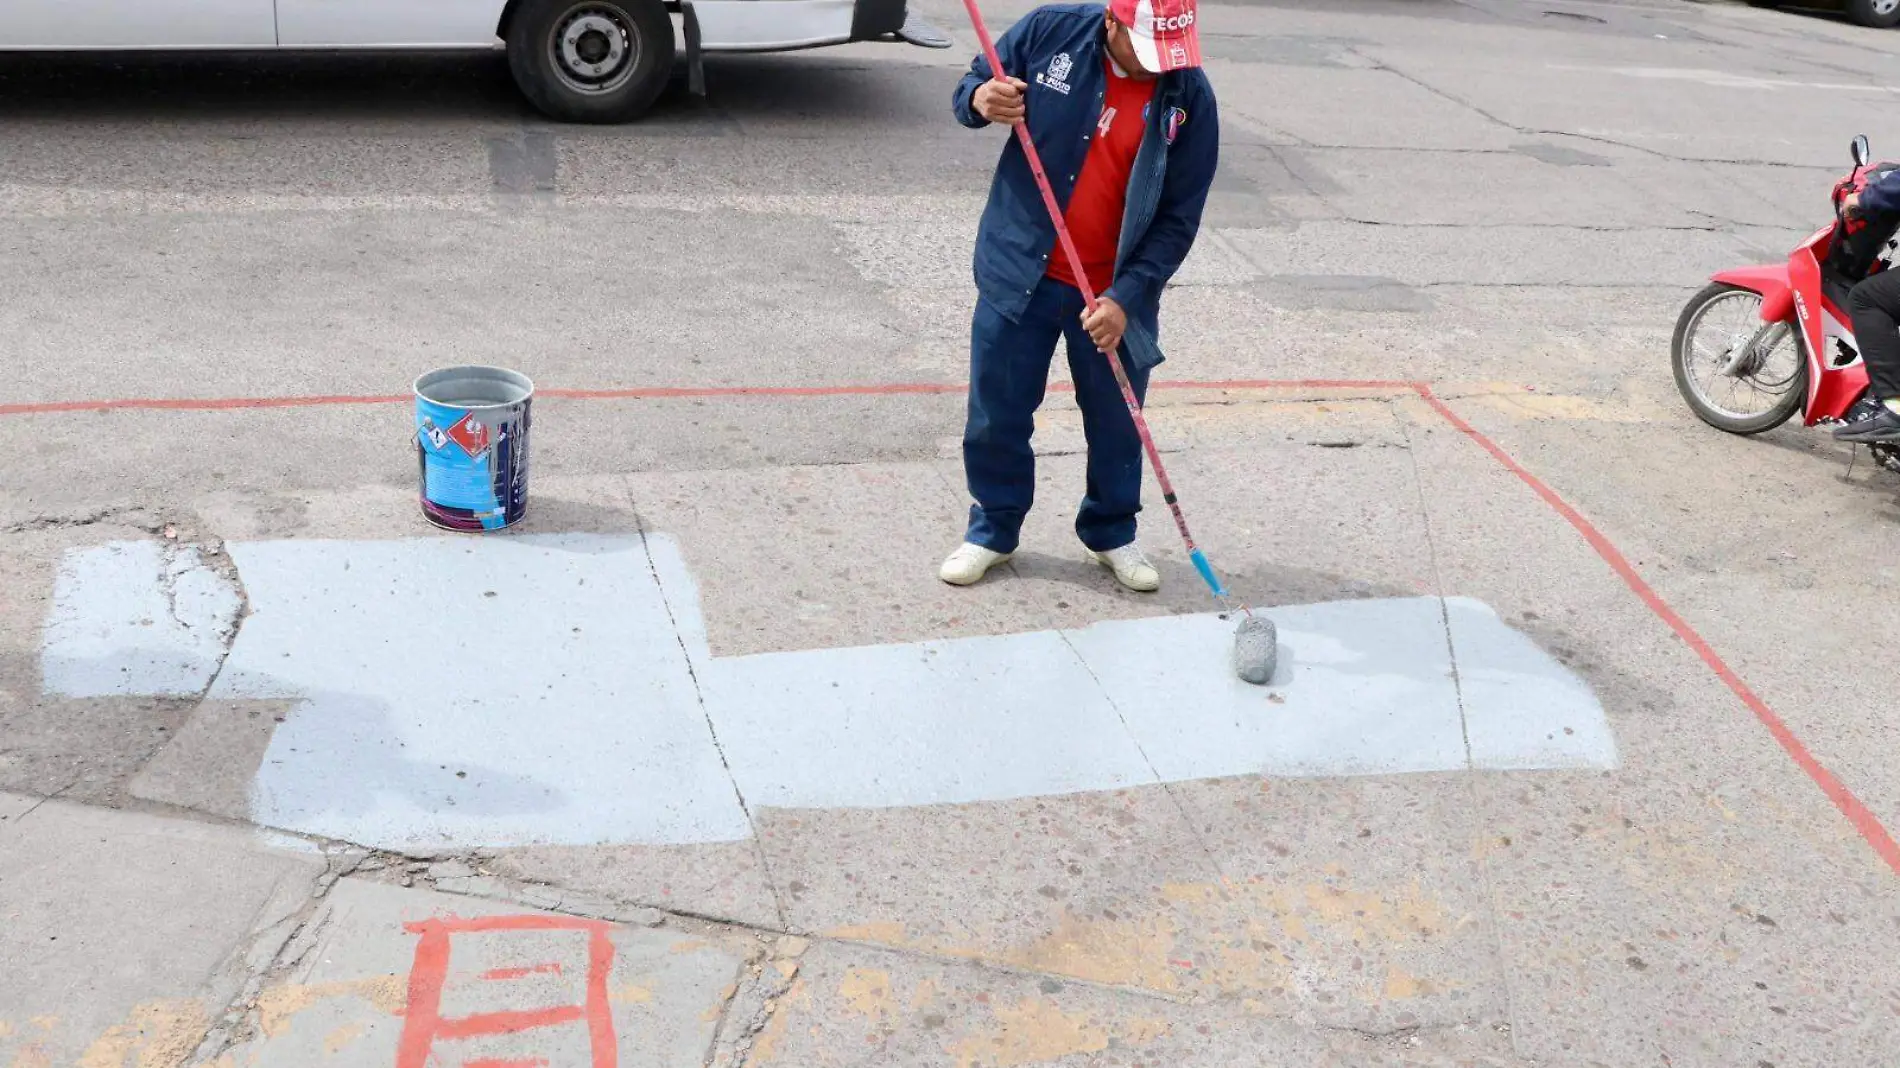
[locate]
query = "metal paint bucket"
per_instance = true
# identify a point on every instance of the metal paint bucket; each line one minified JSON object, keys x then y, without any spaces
{"x":472,"y":446}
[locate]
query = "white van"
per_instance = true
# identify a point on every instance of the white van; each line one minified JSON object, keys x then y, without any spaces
{"x":575,"y":60}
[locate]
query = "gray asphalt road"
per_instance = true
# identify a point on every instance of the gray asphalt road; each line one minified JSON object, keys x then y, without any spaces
{"x":1507,"y":201}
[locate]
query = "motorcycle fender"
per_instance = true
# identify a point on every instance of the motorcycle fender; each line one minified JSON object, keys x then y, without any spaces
{"x":1777,"y":292}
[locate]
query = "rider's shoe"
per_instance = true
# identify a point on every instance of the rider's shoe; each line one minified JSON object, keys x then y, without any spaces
{"x":1883,"y":425}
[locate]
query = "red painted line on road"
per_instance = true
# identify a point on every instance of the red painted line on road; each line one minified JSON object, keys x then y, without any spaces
{"x":551,"y":968}
{"x":889,"y":389}
{"x":508,"y":1021}
{"x":476,"y":924}
{"x":600,"y":1011}
{"x":1858,"y":814}
{"x":424,"y":1025}
{"x":187,"y":404}
{"x":1289,"y":383}
{"x":422,"y":1013}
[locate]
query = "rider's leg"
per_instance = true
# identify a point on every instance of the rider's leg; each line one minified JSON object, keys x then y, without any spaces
{"x":1875,"y":307}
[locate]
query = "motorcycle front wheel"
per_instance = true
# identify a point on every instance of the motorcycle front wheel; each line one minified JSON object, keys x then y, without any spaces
{"x":1755,"y":393}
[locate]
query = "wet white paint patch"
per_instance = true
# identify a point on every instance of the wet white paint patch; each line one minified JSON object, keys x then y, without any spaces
{"x":975,"y":719}
{"x":559,"y":689}
{"x":1523,"y":710}
{"x":463,"y":692}
{"x":137,"y":618}
{"x":1363,"y":688}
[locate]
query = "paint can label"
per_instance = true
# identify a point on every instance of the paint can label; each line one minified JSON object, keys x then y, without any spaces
{"x":474,"y":464}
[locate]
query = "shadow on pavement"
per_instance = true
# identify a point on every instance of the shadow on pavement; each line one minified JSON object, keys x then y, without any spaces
{"x":187,"y":87}
{"x":216,"y":87}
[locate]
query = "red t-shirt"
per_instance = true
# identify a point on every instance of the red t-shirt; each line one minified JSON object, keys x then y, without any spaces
{"x":1095,"y":207}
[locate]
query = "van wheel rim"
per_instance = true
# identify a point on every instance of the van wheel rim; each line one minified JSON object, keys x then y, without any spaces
{"x":595,"y":48}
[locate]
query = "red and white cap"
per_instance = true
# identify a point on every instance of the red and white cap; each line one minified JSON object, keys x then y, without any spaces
{"x":1163,"y":32}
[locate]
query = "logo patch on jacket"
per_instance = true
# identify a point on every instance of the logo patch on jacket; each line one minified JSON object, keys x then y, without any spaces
{"x":1057,"y":77}
{"x":1177,"y":118}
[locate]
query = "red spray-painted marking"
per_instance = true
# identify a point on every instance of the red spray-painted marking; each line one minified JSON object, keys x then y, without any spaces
{"x":551,"y":968}
{"x":1857,"y":813}
{"x":188,"y":404}
{"x":424,"y":1025}
{"x":891,"y":389}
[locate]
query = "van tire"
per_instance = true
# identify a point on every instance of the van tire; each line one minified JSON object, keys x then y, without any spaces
{"x":1879,"y":14}
{"x":591,"y":61}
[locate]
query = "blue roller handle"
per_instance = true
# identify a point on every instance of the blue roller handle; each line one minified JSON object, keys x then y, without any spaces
{"x":1207,"y":572}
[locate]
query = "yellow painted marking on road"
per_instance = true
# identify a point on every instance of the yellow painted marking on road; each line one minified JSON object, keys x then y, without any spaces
{"x":1126,"y":951}
{"x":867,"y":991}
{"x":1720,"y":806}
{"x":718,"y":1008}
{"x":630,"y":994}
{"x":766,"y":1045}
{"x":884,"y":933}
{"x":1236,"y":938}
{"x":278,"y":1005}
{"x":1551,"y":406}
{"x":334,"y":1042}
{"x":158,"y":1034}
{"x":1401,"y":985}
{"x":32,"y":1055}
{"x":1120,"y":952}
{"x":1036,"y":1031}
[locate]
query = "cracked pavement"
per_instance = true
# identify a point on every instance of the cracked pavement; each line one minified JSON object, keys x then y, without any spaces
{"x":748,"y":318}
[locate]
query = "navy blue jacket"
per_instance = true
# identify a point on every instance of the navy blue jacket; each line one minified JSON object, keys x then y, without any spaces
{"x":1880,"y":197}
{"x":1058,"y":50}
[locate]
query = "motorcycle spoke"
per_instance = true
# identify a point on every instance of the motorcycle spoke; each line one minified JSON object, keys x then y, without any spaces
{"x":1714,"y":336}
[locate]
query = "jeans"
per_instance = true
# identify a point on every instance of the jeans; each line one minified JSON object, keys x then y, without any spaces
{"x":1009,"y":371}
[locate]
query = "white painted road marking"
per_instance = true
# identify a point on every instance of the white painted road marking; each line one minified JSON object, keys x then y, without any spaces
{"x":503,"y":691}
{"x":137,"y":618}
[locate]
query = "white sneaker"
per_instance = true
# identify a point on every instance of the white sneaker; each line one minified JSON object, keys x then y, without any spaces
{"x":969,"y":564}
{"x":1131,"y":567}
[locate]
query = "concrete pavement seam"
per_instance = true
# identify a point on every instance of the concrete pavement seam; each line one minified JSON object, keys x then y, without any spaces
{"x":755,"y":1000}
{"x":1168,"y":788}
{"x":135,"y":516}
{"x":235,"y":1023}
{"x":41,"y":802}
{"x":1500,"y":957}
{"x":699,"y":695}
{"x":1438,"y":579}
{"x":491,"y":887}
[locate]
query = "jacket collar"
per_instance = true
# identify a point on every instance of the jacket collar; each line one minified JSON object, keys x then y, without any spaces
{"x":1168,"y":86}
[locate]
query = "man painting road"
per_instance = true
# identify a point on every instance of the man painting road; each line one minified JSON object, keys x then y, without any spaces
{"x":1126,"y":127}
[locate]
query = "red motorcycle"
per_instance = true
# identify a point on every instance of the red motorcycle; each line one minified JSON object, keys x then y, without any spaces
{"x":1758,"y":344}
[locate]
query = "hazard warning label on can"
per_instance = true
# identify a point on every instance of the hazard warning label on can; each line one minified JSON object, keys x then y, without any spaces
{"x":474,"y":465}
{"x":471,"y":434}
